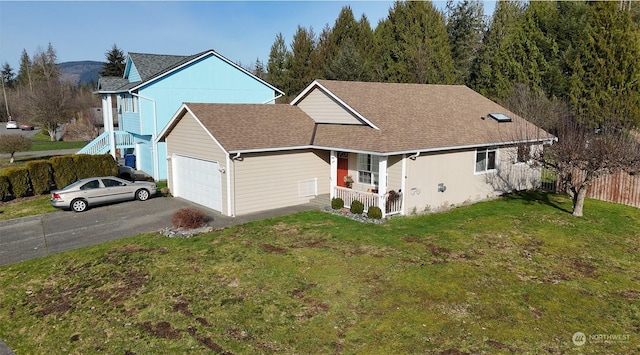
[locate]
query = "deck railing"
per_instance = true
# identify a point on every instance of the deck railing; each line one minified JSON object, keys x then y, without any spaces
{"x":100,"y":145}
{"x":390,"y":203}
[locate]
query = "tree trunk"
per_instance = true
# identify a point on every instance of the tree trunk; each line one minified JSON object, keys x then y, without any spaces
{"x":578,"y":201}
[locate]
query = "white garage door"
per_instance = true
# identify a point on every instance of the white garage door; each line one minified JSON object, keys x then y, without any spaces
{"x":198,"y":181}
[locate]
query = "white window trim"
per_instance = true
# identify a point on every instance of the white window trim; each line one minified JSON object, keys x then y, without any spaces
{"x":372,"y":172}
{"x":475,"y":160}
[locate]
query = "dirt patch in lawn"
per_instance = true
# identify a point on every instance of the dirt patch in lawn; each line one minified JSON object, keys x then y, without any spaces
{"x":161,"y":330}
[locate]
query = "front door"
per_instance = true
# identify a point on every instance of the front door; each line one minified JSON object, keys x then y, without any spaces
{"x":343,"y":170}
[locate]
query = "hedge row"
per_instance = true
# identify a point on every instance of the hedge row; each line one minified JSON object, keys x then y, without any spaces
{"x":41,"y":176}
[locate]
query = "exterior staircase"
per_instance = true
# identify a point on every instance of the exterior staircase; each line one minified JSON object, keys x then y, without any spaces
{"x":101,"y":144}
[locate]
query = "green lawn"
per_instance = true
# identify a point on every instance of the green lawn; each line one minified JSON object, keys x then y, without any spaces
{"x":517,"y":275}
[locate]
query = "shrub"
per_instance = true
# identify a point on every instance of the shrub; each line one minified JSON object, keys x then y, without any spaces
{"x":84,"y":166}
{"x":41,"y":175}
{"x":357,"y":207}
{"x":374,"y":212}
{"x":188,"y":218}
{"x":105,"y":165}
{"x":63,"y":170}
{"x":4,"y":188}
{"x":19,"y":181}
{"x":337,"y":203}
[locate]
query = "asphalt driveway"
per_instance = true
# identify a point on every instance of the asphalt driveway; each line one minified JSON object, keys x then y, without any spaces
{"x":50,"y":233}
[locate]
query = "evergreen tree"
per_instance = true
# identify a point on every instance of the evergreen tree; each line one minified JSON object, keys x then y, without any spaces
{"x":277,"y":64}
{"x":45,"y":66}
{"x":258,"y":69}
{"x":115,"y":63}
{"x":488,"y":75}
{"x":300,"y":71}
{"x":412,"y":45}
{"x":8,"y":76}
{"x":348,"y":64}
{"x":465,"y":26}
{"x":24,"y":73}
{"x":605,"y":80}
{"x":344,"y":51}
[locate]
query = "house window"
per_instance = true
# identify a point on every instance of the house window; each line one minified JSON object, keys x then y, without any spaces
{"x":134,"y":104}
{"x":524,"y":153}
{"x":485,"y":160}
{"x":368,"y":169}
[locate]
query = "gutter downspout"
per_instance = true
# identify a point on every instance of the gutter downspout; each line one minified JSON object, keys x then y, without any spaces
{"x":413,"y":157}
{"x":154,"y":144}
{"x":273,"y":99}
{"x":228,"y":163}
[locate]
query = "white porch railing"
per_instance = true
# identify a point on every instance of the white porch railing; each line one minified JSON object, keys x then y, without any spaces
{"x":391,"y":201}
{"x":100,"y":145}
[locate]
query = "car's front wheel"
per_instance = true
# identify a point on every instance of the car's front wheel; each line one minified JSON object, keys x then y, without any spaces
{"x":79,"y":205}
{"x":142,"y":195}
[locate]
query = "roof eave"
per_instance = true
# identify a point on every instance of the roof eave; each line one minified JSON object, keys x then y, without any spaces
{"x":199,"y":57}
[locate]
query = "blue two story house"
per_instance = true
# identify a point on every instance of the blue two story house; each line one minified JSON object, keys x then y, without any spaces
{"x":152,"y":89}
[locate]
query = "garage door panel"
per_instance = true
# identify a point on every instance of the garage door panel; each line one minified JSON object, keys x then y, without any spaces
{"x":198,"y":181}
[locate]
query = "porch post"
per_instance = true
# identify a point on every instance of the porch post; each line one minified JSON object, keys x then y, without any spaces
{"x":382,"y":184}
{"x":403,"y":183}
{"x":105,"y":113}
{"x":333,"y":174}
{"x":112,"y":138}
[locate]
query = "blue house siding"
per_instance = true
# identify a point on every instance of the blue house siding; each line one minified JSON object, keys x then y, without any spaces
{"x":133,"y":75}
{"x":155,"y":86}
{"x":207,"y":80}
{"x":131,"y":122}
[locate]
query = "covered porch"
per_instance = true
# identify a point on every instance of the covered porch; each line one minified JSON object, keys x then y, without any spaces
{"x":365,"y":177}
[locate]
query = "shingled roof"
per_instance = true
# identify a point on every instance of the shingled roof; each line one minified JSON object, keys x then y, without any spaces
{"x":242,"y":127}
{"x":418,"y":117}
{"x":402,"y":118}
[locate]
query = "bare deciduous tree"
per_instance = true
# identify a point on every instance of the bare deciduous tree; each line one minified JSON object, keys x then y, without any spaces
{"x":49,"y":105}
{"x":582,"y":152}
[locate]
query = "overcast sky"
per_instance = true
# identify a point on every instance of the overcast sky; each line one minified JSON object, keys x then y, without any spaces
{"x":242,"y":31}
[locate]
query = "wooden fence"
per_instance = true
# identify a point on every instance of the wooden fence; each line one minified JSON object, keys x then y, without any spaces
{"x":621,"y":187}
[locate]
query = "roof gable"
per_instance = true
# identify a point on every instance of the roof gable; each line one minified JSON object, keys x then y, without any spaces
{"x":142,"y":68}
{"x":247,"y":127}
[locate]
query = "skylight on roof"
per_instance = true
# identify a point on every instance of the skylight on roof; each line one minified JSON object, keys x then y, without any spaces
{"x":500,"y":117}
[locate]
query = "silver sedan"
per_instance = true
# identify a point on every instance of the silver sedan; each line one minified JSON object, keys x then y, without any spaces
{"x":100,"y":190}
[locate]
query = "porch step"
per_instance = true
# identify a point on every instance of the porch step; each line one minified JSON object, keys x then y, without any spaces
{"x":321,"y":200}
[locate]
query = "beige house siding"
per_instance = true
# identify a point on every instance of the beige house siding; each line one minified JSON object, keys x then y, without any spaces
{"x":271,"y":180}
{"x":456,"y":170}
{"x":323,"y":109}
{"x":189,"y":139}
{"x":394,"y":173}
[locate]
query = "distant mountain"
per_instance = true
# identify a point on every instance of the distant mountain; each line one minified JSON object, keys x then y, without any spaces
{"x":83,"y":72}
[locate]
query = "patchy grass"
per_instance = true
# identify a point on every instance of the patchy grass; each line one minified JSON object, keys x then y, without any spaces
{"x":515,"y":275}
{"x":23,"y":207}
